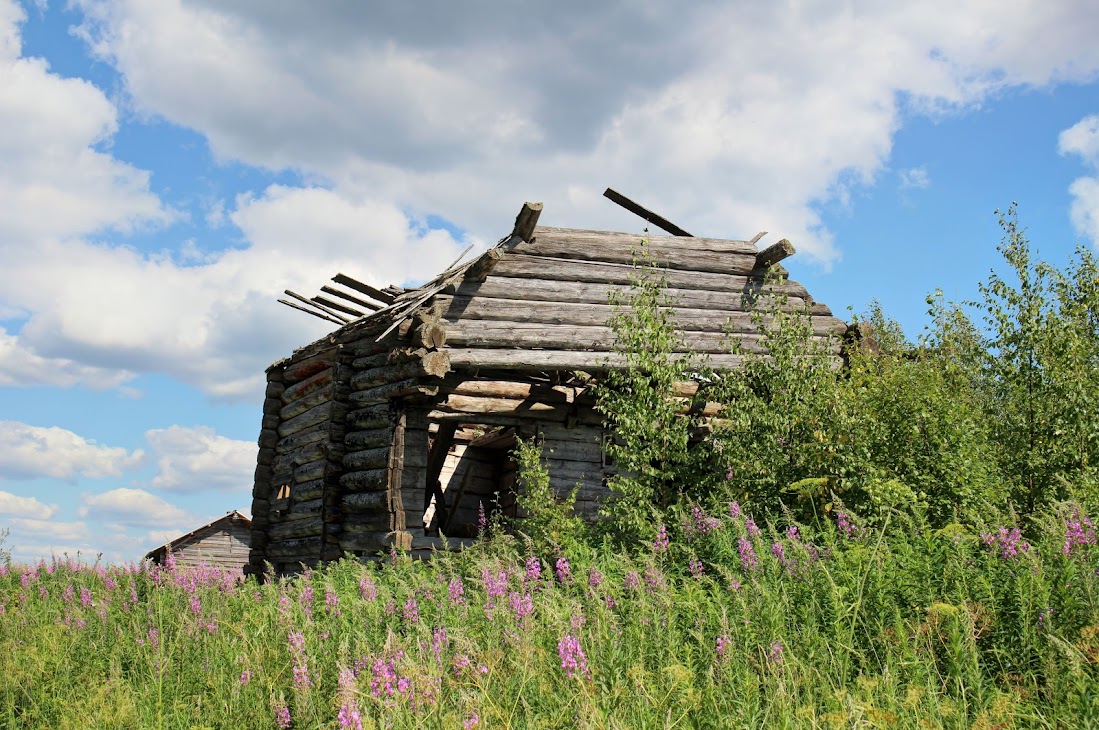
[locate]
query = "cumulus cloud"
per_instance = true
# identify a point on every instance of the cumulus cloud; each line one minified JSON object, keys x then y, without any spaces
{"x":21,"y":366}
{"x":12,"y":505}
{"x":28,"y":452}
{"x":1082,"y":140}
{"x":914,"y":178}
{"x":131,"y":507}
{"x":199,"y":460}
{"x":698,"y":110}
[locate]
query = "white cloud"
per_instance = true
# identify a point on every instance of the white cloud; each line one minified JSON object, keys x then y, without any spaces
{"x":198,"y":460}
{"x":13,"y":505}
{"x":699,"y":110}
{"x":28,"y":452}
{"x":21,"y":366}
{"x":131,"y":507}
{"x":914,"y":178}
{"x":1082,"y":139}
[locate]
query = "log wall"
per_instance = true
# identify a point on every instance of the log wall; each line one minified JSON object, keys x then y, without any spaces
{"x":225,"y":546}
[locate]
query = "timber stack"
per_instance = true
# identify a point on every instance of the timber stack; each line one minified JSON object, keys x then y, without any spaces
{"x":396,"y":429}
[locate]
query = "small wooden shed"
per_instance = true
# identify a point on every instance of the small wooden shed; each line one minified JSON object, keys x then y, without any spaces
{"x":224,"y":543}
{"x":398,"y":425}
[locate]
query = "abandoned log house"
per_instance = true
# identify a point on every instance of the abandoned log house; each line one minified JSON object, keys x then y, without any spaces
{"x":223,"y":543}
{"x":398,"y":425}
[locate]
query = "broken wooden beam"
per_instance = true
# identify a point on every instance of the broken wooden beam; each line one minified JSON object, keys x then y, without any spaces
{"x":362,"y":288}
{"x":326,"y":302}
{"x":311,"y":303}
{"x":774,"y":253}
{"x":657,"y":220}
{"x":353,"y":299}
{"x":310,"y":311}
{"x":527,"y":220}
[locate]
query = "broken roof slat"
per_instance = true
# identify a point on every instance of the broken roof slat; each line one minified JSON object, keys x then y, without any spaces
{"x":325,"y":301}
{"x":351,"y":298}
{"x":362,"y":288}
{"x":311,"y":303}
{"x":315,"y":313}
{"x":657,"y":220}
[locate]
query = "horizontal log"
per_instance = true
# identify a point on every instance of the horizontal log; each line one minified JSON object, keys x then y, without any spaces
{"x":434,"y":364}
{"x":312,"y":417}
{"x":298,"y":547}
{"x":619,"y":242}
{"x":544,"y":290}
{"x":300,"y":369}
{"x":515,"y":390}
{"x":549,"y":360}
{"x":484,"y":334}
{"x":270,"y":421}
{"x":374,"y":521}
{"x":672,"y":256}
{"x":300,"y":510}
{"x":367,"y":480}
{"x":389,"y":391}
{"x":461,"y":311}
{"x":318,"y":432}
{"x":295,"y":528}
{"x":305,"y":387}
{"x":372,"y":417}
{"x":774,"y":253}
{"x":551,"y":269}
{"x":367,"y":541}
{"x":388,"y":357}
{"x":268,"y":438}
{"x":310,"y":471}
{"x":310,"y":490}
{"x":584,"y":416}
{"x":372,"y":439}
{"x":376,"y":458}
{"x":305,"y":403}
{"x":365,"y":502}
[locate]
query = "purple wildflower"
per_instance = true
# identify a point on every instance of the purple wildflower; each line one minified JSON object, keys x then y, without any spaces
{"x":696,"y":568}
{"x":846,"y":527}
{"x":282,"y":716}
{"x":660,"y":544}
{"x":701,"y":523}
{"x":564,"y":573}
{"x":522,"y":605}
{"x":748,"y":559}
{"x":471,"y":721}
{"x":595,"y":578}
{"x":534,"y":569}
{"x":68,"y":594}
{"x":1008,"y":542}
{"x":775,"y":653}
{"x":367,"y":590}
{"x":573,"y":659}
{"x":411,"y":611}
{"x":779,"y":552}
{"x":86,"y":598}
{"x":750,"y":526}
{"x":349,"y":715}
{"x":1079,"y":532}
{"x":196,"y":605}
{"x":723,"y":644}
{"x":632,"y":581}
{"x":456,"y":591}
{"x":482,"y":518}
{"x":246,"y":677}
{"x":734,"y":510}
{"x":306,"y":600}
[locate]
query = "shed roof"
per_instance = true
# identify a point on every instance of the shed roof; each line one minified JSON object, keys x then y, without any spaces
{"x":228,"y":518}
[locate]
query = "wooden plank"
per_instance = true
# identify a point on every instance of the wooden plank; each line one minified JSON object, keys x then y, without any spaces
{"x":549,"y":360}
{"x":626,"y":243}
{"x":302,"y":367}
{"x":362,"y":288}
{"x":647,"y":215}
{"x":318,"y":315}
{"x":311,"y":303}
{"x":301,"y":405}
{"x":440,"y":447}
{"x":369,"y":306}
{"x":309,"y":418}
{"x":575,"y":292}
{"x":602,"y":272}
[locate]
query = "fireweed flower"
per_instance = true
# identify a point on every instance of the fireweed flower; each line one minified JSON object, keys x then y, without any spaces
{"x":734,"y":510}
{"x":331,"y":602}
{"x":750,"y":526}
{"x":632,"y":581}
{"x":196,"y":606}
{"x":1079,"y":532}
{"x":68,"y":594}
{"x":367,"y":590}
{"x":534,"y":569}
{"x":349,"y":715}
{"x":724,"y":643}
{"x":846,"y":527}
{"x":471,"y":721}
{"x":700,"y":524}
{"x":522,"y":605}
{"x":306,"y":600}
{"x":573,"y":660}
{"x":564,"y":573}
{"x":660,"y":544}
{"x":1009,"y":543}
{"x":696,"y":568}
{"x":595,"y":578}
{"x":411,"y":611}
{"x":748,"y":559}
{"x":775,"y":652}
{"x":282,"y":716}
{"x":245,"y":677}
{"x":86,"y":598}
{"x":456,"y":591}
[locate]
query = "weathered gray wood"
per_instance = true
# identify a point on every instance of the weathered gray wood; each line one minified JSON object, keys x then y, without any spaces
{"x":310,"y":471}
{"x":647,"y":215}
{"x":301,"y":368}
{"x":526,"y":221}
{"x":484,"y":265}
{"x":549,"y":360}
{"x":300,"y":510}
{"x":307,"y":527}
{"x":369,"y":418}
{"x":362,"y":288}
{"x":319,"y":432}
{"x":367,"y":541}
{"x":596,"y":272}
{"x":627,"y":242}
{"x":393,"y":357}
{"x":367,"y":459}
{"x":301,"y":405}
{"x":369,"y":306}
{"x":369,"y":480}
{"x":318,"y":315}
{"x":375,"y":521}
{"x":486,"y":334}
{"x":372,"y":439}
{"x":468,"y":312}
{"x":313,"y":416}
{"x":328,"y":303}
{"x":433,"y":364}
{"x":365,"y":502}
{"x":305,"y":387}
{"x":389,"y":391}
{"x":268,"y":438}
{"x":305,"y":547}
{"x":774,"y":253}
{"x":313,"y":303}
{"x":576,"y":292}
{"x":429,"y":334}
{"x":309,"y":490}
{"x":515,"y":390}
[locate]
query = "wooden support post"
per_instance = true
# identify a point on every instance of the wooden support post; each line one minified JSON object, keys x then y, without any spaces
{"x":526,"y":221}
{"x":443,"y":439}
{"x":774,"y":253}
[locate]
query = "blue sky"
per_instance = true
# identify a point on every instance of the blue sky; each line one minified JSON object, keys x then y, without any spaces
{"x":168,"y":167}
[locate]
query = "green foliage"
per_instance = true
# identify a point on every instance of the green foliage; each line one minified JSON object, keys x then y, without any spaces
{"x":548,"y":521}
{"x":836,"y":625}
{"x":651,"y":447}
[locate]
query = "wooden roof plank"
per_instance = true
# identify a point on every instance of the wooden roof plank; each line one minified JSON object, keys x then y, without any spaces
{"x":362,"y":288}
{"x":351,"y":298}
{"x":656,"y":219}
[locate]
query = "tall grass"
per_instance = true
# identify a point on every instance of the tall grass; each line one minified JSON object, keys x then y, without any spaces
{"x":720,"y":623}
